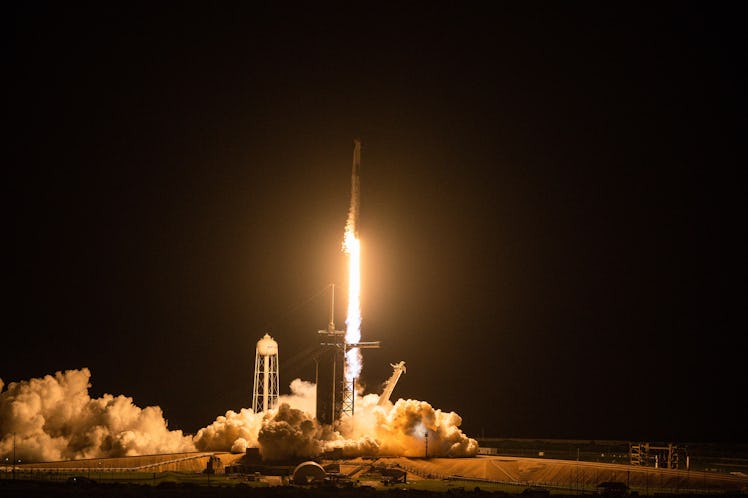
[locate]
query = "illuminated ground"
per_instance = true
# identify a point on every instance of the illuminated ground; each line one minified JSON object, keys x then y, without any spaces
{"x":571,"y":475}
{"x":491,"y":473}
{"x":176,"y":462}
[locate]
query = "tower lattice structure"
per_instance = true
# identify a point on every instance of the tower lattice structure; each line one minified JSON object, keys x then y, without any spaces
{"x":266,"y":381}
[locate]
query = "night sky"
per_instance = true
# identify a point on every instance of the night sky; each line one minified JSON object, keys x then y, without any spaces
{"x":551,"y":206}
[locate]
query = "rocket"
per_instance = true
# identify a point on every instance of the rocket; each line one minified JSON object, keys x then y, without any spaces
{"x":352,"y":224}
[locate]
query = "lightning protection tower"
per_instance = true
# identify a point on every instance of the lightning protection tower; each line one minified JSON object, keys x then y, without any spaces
{"x":265,"y":393}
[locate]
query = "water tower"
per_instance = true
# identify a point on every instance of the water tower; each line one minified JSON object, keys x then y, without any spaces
{"x":265,"y":393}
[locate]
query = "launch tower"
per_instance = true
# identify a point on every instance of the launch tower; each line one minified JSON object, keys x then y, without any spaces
{"x":335,"y":396}
{"x":330,"y":369}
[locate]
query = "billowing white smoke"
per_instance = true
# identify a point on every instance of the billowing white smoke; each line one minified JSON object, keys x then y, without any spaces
{"x":402,"y":429}
{"x":231,"y":432}
{"x":54,"y":418}
{"x":289,"y":431}
{"x":284,"y":432}
{"x":239,"y":431}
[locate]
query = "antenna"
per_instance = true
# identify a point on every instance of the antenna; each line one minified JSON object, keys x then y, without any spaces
{"x":331,"y":325}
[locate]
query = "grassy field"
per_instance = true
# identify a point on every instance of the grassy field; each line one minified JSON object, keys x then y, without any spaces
{"x":490,"y":474}
{"x":139,"y":478}
{"x":456,"y":486}
{"x":713,"y":457}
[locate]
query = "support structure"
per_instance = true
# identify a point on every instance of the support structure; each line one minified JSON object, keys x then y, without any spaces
{"x":330,"y":370}
{"x":397,"y":370}
{"x":349,"y":389}
{"x":658,"y":456}
{"x":266,"y":381}
{"x":335,"y":396}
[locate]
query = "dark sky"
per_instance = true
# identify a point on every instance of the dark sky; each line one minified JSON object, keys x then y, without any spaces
{"x":551,"y":206}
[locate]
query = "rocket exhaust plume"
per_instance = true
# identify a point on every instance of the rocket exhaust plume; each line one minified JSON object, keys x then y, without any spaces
{"x":352,"y":247}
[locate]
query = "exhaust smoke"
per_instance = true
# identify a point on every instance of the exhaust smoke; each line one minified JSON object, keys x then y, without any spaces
{"x":54,"y":418}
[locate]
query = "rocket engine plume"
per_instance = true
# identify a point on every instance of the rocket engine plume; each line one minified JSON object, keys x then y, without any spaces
{"x":352,"y":247}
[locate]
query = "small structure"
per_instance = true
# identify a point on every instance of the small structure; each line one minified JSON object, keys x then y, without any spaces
{"x":214,"y":465}
{"x":252,"y":455}
{"x":338,"y":480}
{"x":309,"y":473}
{"x":266,"y":387}
{"x":536,"y":492}
{"x":612,"y":488}
{"x":393,"y":476}
{"x":397,"y":370}
{"x":651,"y":455}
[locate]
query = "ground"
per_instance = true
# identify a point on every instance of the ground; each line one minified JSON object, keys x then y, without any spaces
{"x":180,"y":475}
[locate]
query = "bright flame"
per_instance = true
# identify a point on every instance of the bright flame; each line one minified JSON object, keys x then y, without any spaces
{"x":352,"y":246}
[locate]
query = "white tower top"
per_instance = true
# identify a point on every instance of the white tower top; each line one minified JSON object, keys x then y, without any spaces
{"x":267,"y":346}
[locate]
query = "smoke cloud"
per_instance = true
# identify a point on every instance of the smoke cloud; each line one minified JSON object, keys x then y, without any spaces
{"x":290,"y":432}
{"x":237,"y":431}
{"x":54,"y":418}
{"x":403,"y":429}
